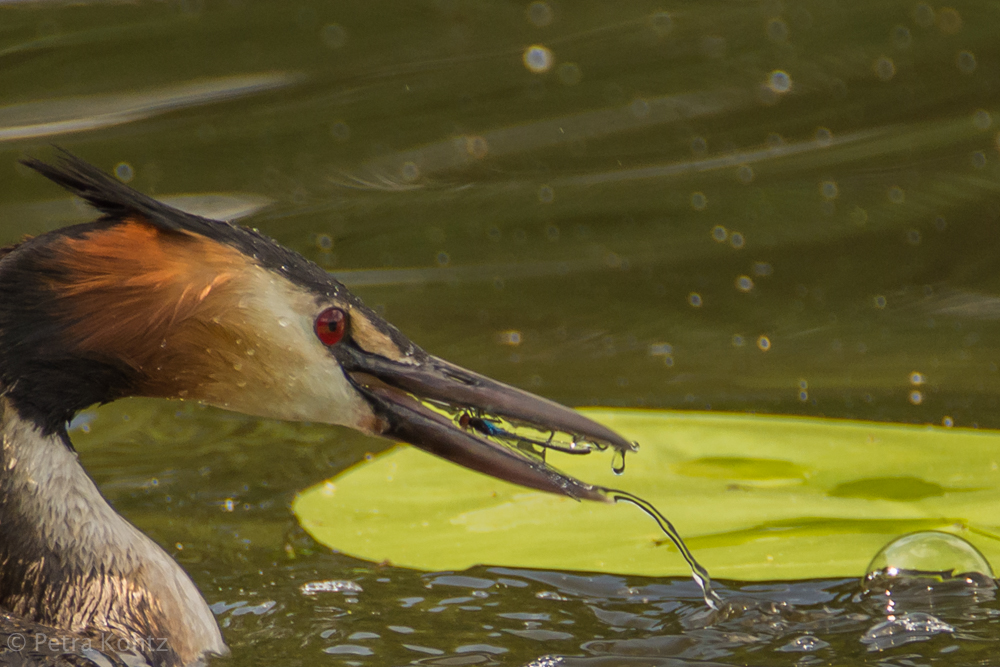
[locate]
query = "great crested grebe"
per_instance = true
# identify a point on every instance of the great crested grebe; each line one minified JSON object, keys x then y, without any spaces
{"x":151,"y":301}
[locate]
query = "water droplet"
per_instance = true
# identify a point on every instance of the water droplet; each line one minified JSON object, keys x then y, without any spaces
{"x":744,"y":283}
{"x":949,"y":20}
{"x":124,"y":172}
{"x":538,"y":59}
{"x":283,"y":321}
{"x":333,"y":35}
{"x":777,"y":30}
{"x":694,"y":299}
{"x":477,"y":147}
{"x":901,"y":37}
{"x":340,"y":131}
{"x":982,"y":119}
{"x":324,"y":242}
{"x":699,"y":201}
{"x":779,"y":81}
{"x":966,"y":62}
{"x":510,"y":338}
{"x":719,"y":233}
{"x":569,"y":74}
{"x":923,"y":15}
{"x":764,"y":343}
{"x":639,"y":108}
{"x":884,"y":68}
{"x":540,"y":14}
{"x":618,"y":462}
{"x":410,"y":172}
{"x":662,"y":22}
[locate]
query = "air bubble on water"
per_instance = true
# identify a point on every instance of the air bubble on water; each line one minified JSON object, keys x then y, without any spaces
{"x":803,"y":396}
{"x":762,"y":269}
{"x":879,"y":302}
{"x":916,"y":397}
{"x":736,"y":240}
{"x":913,"y":236}
{"x":694,"y":299}
{"x":699,"y":201}
{"x":764,"y":343}
{"x":738,"y":340}
{"x":546,"y":194}
{"x":978,"y":159}
{"x":931,"y":554}
{"x":283,"y":322}
{"x":443,"y":258}
{"x":744,"y":283}
{"x":828,"y":189}
{"x":982,"y":119}
{"x":917,"y":378}
{"x":124,"y":172}
{"x":775,"y":140}
{"x":947,"y":422}
{"x":824,"y":137}
{"x":804,"y":644}
{"x":699,"y":146}
{"x":745,"y":174}
{"x":719,"y":233}
{"x":538,"y":59}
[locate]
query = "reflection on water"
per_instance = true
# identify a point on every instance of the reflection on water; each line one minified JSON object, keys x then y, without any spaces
{"x":785,"y":208}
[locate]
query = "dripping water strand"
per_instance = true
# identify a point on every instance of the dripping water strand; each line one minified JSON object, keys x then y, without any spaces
{"x":698,"y":572}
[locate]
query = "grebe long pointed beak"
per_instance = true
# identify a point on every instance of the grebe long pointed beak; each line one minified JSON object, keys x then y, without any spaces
{"x":477,"y":422}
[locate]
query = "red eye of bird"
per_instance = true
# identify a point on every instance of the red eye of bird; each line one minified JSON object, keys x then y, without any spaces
{"x":330,"y":325}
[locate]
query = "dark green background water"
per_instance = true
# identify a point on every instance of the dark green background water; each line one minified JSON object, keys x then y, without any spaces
{"x":657,"y":220}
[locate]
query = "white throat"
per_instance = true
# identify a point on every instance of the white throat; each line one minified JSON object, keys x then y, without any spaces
{"x":69,"y":561}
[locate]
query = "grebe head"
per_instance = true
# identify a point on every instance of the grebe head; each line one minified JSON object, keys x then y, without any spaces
{"x":151,"y":301}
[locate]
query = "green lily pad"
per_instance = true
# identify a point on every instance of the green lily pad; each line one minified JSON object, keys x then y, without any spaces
{"x":755,"y":498}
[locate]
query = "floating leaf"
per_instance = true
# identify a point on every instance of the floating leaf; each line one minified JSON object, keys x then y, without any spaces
{"x":754,"y":497}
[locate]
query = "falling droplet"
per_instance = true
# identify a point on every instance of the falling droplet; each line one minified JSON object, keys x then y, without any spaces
{"x":618,"y":463}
